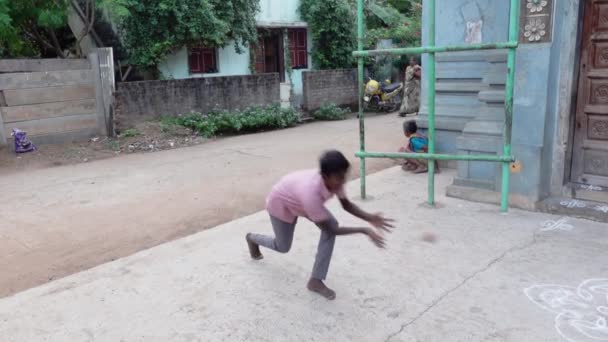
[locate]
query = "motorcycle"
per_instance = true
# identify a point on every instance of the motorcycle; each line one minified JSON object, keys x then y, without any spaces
{"x":382,"y":96}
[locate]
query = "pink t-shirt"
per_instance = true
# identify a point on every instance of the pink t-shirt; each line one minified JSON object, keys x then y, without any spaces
{"x":302,"y":193}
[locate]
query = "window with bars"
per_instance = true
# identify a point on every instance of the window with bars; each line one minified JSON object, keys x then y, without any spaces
{"x":202,"y":60}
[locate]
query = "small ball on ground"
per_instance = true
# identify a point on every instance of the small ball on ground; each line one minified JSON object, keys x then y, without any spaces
{"x":429,"y":237}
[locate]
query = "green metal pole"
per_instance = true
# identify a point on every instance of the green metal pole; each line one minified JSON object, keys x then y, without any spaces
{"x":361,"y":114}
{"x":510,"y":85}
{"x":438,"y":49}
{"x":437,"y":156}
{"x":431,"y":99}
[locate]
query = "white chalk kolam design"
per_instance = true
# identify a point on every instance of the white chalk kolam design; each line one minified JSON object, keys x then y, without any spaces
{"x":561,"y":224}
{"x":590,"y":187}
{"x":581,"y":312}
{"x":602,"y":208}
{"x":573,"y":204}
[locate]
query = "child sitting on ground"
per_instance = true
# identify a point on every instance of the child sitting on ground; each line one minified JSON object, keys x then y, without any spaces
{"x":416,"y":143}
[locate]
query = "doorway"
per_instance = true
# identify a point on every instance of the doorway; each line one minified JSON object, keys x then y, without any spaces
{"x":269,"y":53}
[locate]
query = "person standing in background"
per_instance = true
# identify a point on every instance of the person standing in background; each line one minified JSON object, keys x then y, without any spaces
{"x":411,"y":89}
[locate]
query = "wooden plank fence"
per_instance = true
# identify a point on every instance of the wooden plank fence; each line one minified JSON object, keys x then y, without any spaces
{"x":56,"y":100}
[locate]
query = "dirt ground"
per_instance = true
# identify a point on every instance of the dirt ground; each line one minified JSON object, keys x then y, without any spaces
{"x":59,"y":220}
{"x":152,"y":136}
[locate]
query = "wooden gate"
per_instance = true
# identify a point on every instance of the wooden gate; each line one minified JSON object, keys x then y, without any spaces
{"x":590,"y":150}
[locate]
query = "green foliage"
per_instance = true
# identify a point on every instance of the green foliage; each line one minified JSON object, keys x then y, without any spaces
{"x":253,"y":119}
{"x":333,"y":32}
{"x":287,"y":56}
{"x":115,"y":9}
{"x":154,"y":28}
{"x":397,"y":20}
{"x":403,"y":29}
{"x":25,"y":26}
{"x":333,"y":23}
{"x":403,"y":6}
{"x":129,"y":133}
{"x":330,"y":112}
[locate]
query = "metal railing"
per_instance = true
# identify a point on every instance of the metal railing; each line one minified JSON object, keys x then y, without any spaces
{"x":506,"y":159}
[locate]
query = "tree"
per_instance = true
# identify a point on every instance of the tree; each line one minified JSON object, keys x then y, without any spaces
{"x":39,"y":28}
{"x":333,"y":32}
{"x":32,"y":27}
{"x":333,"y":24}
{"x":152,"y":29}
{"x":399,"y":20}
{"x":403,"y":29}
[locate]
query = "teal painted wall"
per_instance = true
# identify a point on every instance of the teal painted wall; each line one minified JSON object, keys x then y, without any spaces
{"x":285,"y":11}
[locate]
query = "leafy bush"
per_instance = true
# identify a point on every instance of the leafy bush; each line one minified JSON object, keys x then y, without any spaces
{"x":330,"y":112}
{"x":130,"y":132}
{"x":333,"y":32}
{"x":253,"y":119}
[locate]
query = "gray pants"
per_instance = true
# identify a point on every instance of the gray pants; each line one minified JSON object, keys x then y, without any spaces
{"x":283,"y":237}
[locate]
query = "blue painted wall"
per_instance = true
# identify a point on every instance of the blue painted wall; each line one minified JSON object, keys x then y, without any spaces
{"x":536,"y":87}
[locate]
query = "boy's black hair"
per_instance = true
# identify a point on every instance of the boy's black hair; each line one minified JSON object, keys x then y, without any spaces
{"x":410,"y":127}
{"x":333,"y":162}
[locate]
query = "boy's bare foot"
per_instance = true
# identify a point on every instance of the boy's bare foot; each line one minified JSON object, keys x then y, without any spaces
{"x":254,"y":249}
{"x":316,"y":285}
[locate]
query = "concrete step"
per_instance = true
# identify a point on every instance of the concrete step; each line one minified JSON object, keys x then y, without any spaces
{"x":496,"y":74}
{"x":449,"y":111}
{"x":492,"y":96}
{"x":459,"y":87}
{"x":591,"y":210}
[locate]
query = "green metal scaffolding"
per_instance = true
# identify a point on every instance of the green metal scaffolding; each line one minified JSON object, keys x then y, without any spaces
{"x":506,"y":159}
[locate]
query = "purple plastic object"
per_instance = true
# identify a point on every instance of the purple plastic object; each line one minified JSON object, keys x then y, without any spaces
{"x":22,"y":143}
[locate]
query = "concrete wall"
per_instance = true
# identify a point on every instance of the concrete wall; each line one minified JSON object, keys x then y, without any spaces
{"x":329,"y":86}
{"x":137,"y":101}
{"x":536,"y":91}
{"x":54,"y":101}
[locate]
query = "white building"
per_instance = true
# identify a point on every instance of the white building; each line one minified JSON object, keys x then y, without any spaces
{"x":275,"y":18}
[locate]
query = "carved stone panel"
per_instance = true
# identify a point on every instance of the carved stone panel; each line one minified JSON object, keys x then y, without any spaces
{"x":600,"y":59}
{"x":597,"y":128}
{"x":599,"y":92}
{"x":602,"y":19}
{"x":535,"y":21}
{"x":596,"y":162}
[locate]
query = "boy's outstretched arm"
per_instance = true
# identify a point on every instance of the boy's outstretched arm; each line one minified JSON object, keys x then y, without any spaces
{"x":332,"y":227}
{"x":377,"y":220}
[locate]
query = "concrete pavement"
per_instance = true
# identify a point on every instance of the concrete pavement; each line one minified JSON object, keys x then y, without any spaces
{"x":490,"y":277}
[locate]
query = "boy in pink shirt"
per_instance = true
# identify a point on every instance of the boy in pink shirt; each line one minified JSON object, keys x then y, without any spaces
{"x":303,"y":194}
